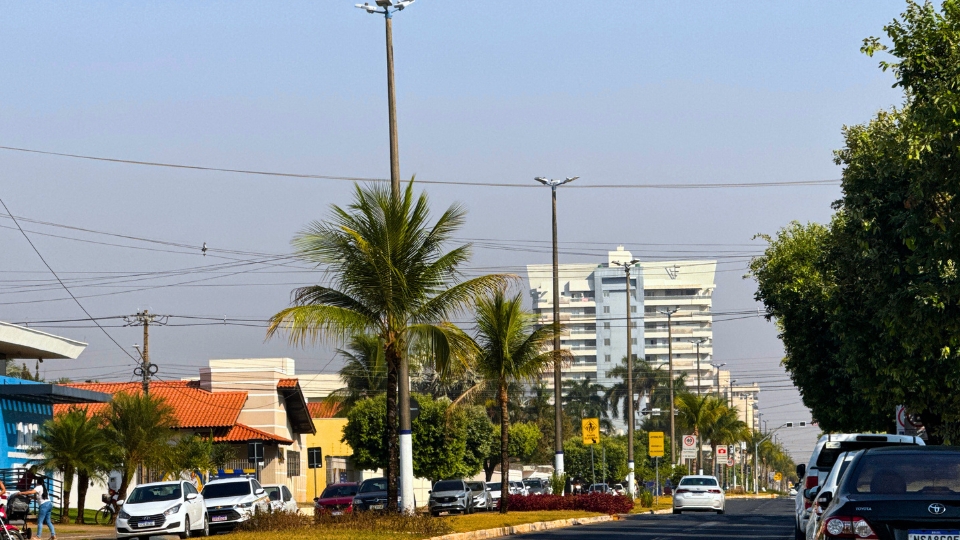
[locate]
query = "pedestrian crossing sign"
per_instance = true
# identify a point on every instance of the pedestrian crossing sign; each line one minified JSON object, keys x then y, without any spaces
{"x":591,"y":430}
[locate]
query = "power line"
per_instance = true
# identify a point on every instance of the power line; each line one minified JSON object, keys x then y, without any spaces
{"x":830,"y":182}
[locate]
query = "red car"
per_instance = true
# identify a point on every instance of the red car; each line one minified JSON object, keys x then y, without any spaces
{"x":336,"y":499}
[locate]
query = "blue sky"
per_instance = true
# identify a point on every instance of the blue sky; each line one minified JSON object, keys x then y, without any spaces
{"x":626,"y":93}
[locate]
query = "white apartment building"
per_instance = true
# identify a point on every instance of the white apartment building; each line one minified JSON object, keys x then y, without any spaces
{"x":593,"y":308}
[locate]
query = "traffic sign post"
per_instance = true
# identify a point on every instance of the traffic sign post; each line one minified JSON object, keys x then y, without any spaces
{"x":655,"y":444}
{"x":591,"y":430}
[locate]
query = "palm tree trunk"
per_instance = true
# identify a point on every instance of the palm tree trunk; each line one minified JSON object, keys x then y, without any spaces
{"x":392,"y":433}
{"x":504,"y":449}
{"x":67,"y":488}
{"x":83,"y":482}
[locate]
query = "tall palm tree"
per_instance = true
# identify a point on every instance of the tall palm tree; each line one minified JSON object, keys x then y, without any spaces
{"x":584,"y":399}
{"x":726,"y":428}
{"x":139,"y":427}
{"x":510,"y":348}
{"x":388,"y":275}
{"x":695,"y":413}
{"x":364,"y":371}
{"x":538,"y":404}
{"x":647,"y":380}
{"x":72,"y":443}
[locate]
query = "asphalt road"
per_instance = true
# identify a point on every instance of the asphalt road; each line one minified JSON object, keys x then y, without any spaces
{"x":766,"y":519}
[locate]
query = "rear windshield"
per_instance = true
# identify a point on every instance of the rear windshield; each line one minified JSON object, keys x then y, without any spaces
{"x":698,"y":482}
{"x":532,"y":483}
{"x":227,"y":489}
{"x":893,"y":474}
{"x":146,"y":494}
{"x":338,"y":491}
{"x":376,"y":484}
{"x":495,"y":486}
{"x":475,"y":486}
{"x":448,"y":485}
{"x":828,"y":456}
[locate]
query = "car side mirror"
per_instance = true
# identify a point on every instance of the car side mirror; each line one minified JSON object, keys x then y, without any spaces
{"x":824,"y":499}
{"x":315,"y":499}
{"x":259,"y":492}
{"x":191,"y":496}
{"x":120,"y":502}
{"x":801,"y":470}
{"x":429,"y":491}
{"x":811,"y":493}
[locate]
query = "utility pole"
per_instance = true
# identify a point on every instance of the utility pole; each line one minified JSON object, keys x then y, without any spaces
{"x":673,"y":428}
{"x":557,"y":375}
{"x":387,"y":8}
{"x":144,"y":318}
{"x":630,"y":462}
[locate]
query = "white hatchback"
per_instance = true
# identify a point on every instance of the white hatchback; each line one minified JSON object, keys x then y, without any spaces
{"x":699,"y":492}
{"x":163,"y":508}
{"x":281,"y":498}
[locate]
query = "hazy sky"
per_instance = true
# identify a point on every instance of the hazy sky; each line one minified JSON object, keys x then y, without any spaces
{"x":492,"y":91}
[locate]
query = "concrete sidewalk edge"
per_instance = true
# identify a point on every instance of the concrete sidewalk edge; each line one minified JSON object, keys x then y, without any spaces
{"x":522,"y":529}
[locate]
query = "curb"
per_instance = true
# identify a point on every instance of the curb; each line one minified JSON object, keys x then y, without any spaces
{"x":522,"y":529}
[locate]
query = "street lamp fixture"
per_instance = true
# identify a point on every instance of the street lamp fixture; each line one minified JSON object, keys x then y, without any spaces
{"x":557,"y":375}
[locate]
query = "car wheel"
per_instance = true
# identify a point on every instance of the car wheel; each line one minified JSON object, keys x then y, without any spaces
{"x":798,"y":534}
{"x":186,"y":527}
{"x":720,"y":511}
{"x":205,"y":530}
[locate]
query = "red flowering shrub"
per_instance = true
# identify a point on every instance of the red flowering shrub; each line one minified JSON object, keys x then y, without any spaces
{"x":591,"y":502}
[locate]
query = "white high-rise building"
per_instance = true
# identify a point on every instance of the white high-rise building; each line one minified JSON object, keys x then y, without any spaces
{"x":593,"y":308}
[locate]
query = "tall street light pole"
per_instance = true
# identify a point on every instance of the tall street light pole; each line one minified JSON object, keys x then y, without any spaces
{"x":387,"y":8}
{"x":673,"y":427}
{"x":699,"y":342}
{"x":557,"y":382}
{"x":630,"y":415}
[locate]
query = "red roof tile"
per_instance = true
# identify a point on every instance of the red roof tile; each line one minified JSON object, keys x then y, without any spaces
{"x":288,"y":383}
{"x":242,"y":433}
{"x":324,"y":409}
{"x":194,"y":407}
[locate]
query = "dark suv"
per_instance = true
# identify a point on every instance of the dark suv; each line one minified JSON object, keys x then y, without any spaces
{"x":372,"y":495}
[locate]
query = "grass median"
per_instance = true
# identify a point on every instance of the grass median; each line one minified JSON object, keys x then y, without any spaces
{"x":493,"y":520}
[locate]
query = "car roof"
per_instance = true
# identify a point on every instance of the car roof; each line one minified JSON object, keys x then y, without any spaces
{"x":165,"y":483}
{"x":343,"y":484}
{"x":841,"y":437}
{"x":231,"y":479}
{"x":912,"y":449}
{"x":699,"y":476}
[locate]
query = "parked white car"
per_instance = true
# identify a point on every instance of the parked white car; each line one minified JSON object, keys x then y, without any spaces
{"x":231,"y":501}
{"x":281,"y":499}
{"x":163,"y":508}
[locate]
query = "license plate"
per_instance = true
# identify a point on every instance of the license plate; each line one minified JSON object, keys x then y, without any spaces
{"x":376,"y":507}
{"x":218,"y":518}
{"x":933,"y":535}
{"x":336,"y":513}
{"x":146,"y":524}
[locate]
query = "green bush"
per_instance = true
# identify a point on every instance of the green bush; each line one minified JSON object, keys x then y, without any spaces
{"x":558,"y":482}
{"x":361,"y":521}
{"x":646,"y":499}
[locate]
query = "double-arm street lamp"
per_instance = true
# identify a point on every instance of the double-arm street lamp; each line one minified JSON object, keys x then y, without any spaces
{"x":387,"y":8}
{"x":557,"y":403}
{"x":630,"y":476}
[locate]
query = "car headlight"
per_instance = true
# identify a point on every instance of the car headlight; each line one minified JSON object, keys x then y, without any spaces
{"x":123,"y":515}
{"x":172,"y":510}
{"x":357,"y":501}
{"x":246,"y":504}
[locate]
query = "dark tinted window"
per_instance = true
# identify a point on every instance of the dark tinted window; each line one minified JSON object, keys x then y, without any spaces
{"x":698,"y":482}
{"x":495,"y":486}
{"x":147,"y":494}
{"x":475,"y":486}
{"x":893,"y":474}
{"x":339,"y":491}
{"x":448,"y":485}
{"x":227,"y":489}
{"x":832,"y":449}
{"x":374,"y":484}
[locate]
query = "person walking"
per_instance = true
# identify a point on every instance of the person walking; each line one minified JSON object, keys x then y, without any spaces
{"x":45,"y":514}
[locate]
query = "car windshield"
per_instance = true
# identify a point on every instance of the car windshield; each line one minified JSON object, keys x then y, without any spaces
{"x":338,"y":491}
{"x":273,"y":492}
{"x":148,"y":494}
{"x":698,"y":481}
{"x":900,"y":473}
{"x":448,"y":485}
{"x":475,"y":486}
{"x":373,"y":485}
{"x":226,"y":489}
{"x":531,"y":483}
{"x":495,"y":486}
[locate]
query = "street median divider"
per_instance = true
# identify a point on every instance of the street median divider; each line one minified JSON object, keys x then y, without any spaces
{"x":523,"y":529}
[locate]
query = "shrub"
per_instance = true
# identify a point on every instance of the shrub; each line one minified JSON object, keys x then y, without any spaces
{"x":590,"y":502}
{"x":276,"y":521}
{"x":558,"y":482}
{"x":361,"y":521}
{"x":646,"y":499}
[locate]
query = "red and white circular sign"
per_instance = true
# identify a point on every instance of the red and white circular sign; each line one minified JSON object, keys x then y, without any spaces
{"x":689,"y":441}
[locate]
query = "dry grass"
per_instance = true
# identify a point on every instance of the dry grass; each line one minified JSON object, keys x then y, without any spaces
{"x":492,"y":520}
{"x":666,"y":502}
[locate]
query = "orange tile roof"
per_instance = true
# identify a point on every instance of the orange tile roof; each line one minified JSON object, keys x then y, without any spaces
{"x":194,"y":407}
{"x":288,"y":383}
{"x":242,"y":433}
{"x":324,"y":409}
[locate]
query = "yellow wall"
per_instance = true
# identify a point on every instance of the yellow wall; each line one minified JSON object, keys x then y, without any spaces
{"x":329,"y":432}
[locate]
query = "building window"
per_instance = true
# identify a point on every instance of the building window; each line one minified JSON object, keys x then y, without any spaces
{"x":606,"y":309}
{"x":606,"y":358}
{"x":606,"y":294}
{"x":606,"y":326}
{"x":606,"y":342}
{"x":634,"y":341}
{"x":633,"y":309}
{"x":293,"y":463}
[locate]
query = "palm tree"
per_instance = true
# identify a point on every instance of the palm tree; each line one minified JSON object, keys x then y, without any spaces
{"x":364,"y":371}
{"x":389,"y":276}
{"x":538,"y":404}
{"x":696,"y":413}
{"x":726,"y":428}
{"x":510,"y":348}
{"x":647,"y":380}
{"x":584,"y":399}
{"x":139,"y":428}
{"x":72,"y":443}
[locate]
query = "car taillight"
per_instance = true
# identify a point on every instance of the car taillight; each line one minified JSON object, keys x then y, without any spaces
{"x":810,"y":482}
{"x":848,"y":527}
{"x":681,"y":490}
{"x":715,"y":491}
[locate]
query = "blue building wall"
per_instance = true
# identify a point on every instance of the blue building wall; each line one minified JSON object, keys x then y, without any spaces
{"x":22,"y":421}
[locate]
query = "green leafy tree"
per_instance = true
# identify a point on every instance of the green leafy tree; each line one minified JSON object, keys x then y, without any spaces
{"x":480,"y":436}
{"x":72,"y":443}
{"x":511,"y":348}
{"x":522,"y":446}
{"x":389,"y":276}
{"x":577,"y":459}
{"x":188,"y":453}
{"x":584,"y":399}
{"x":139,"y":428}
{"x":221,"y":454}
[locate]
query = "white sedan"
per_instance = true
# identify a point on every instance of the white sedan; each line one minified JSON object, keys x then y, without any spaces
{"x":699,"y":492}
{"x":163,"y":508}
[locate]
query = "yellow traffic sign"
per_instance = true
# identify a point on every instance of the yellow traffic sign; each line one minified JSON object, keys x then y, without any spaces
{"x":591,"y":430}
{"x":777,"y":477}
{"x":655,"y":442}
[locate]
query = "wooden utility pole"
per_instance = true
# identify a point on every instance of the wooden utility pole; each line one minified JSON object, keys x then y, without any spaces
{"x":145,"y":370}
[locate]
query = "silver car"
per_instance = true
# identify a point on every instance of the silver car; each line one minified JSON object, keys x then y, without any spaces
{"x":482,"y":499}
{"x":450,"y":496}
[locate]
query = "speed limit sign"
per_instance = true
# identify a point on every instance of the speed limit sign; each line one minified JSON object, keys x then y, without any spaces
{"x":689,"y":442}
